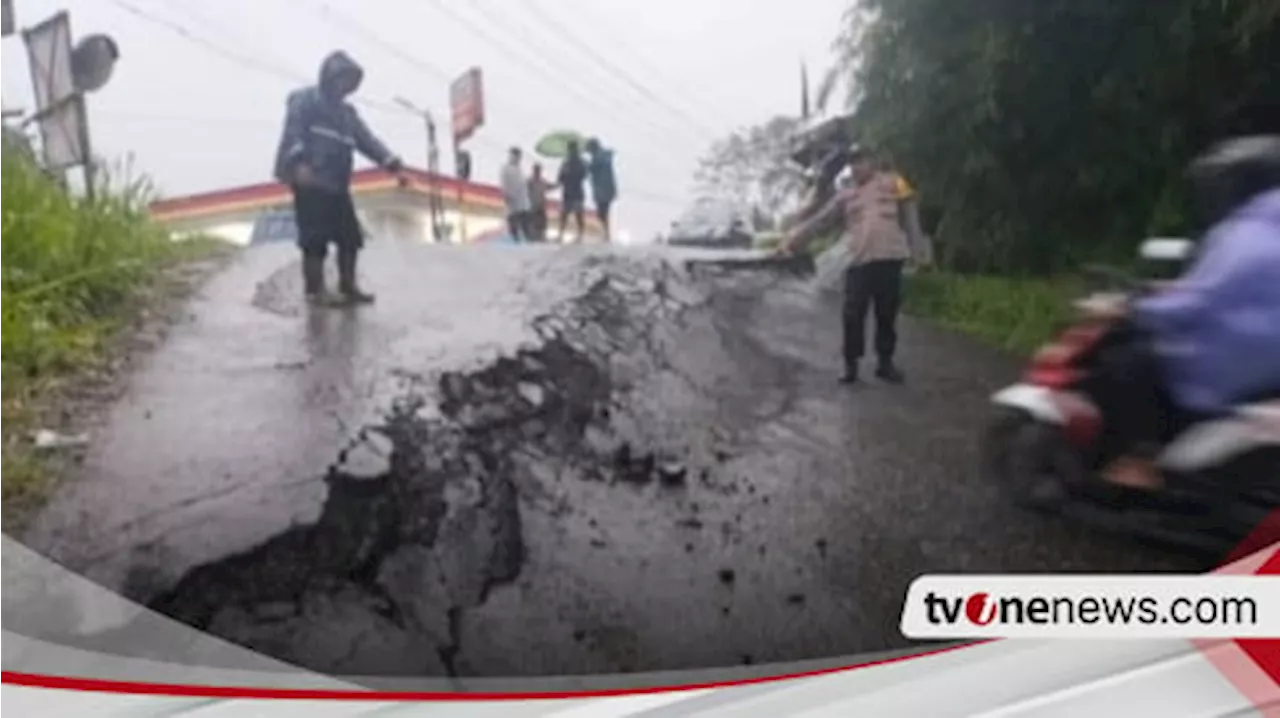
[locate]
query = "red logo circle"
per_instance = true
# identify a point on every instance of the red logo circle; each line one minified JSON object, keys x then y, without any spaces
{"x":979,"y":609}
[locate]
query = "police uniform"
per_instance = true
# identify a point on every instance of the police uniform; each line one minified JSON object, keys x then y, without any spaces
{"x":878,"y":249}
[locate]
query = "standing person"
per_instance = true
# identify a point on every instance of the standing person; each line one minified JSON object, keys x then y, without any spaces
{"x":315,"y":158}
{"x":515,"y":192}
{"x":868,"y":210}
{"x":572,"y":180}
{"x":604,"y":187}
{"x":538,"y":189}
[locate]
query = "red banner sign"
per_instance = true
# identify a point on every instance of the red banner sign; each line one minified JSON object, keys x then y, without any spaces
{"x":466,"y":101}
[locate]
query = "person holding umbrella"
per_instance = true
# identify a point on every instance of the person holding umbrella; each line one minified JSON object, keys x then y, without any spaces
{"x":566,"y":145}
{"x":572,"y":180}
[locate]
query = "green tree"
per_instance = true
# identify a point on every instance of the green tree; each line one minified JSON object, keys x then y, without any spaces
{"x":1044,"y":133}
{"x":751,"y":169}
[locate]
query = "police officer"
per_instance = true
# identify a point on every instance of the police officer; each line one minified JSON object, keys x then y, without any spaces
{"x":868,"y":211}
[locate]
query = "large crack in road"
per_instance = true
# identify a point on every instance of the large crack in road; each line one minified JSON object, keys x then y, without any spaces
{"x":544,"y":463}
{"x":422,"y":519}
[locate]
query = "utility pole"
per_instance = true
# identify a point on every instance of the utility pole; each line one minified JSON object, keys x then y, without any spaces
{"x":433,"y":169}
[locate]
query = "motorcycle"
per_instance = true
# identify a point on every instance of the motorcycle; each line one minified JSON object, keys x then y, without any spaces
{"x":1047,"y":444}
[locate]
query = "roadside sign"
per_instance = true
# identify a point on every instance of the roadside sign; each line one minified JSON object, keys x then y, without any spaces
{"x":60,"y":110}
{"x":7,"y":23}
{"x":466,"y":102}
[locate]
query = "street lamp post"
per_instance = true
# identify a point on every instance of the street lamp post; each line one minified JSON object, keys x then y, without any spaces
{"x":433,"y":167}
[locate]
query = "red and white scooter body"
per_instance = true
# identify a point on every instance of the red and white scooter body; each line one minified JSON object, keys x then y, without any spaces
{"x":1045,"y":393}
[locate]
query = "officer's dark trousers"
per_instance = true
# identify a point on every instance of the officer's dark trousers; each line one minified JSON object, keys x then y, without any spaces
{"x":874,"y":287}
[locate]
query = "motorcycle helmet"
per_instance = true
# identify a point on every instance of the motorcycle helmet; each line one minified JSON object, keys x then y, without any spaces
{"x":1231,"y":173}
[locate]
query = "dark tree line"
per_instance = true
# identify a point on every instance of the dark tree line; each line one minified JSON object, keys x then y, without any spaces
{"x":1041,"y":133}
{"x":1045,"y":132}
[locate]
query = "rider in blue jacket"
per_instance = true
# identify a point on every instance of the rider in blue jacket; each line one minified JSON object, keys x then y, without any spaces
{"x":1214,"y":335}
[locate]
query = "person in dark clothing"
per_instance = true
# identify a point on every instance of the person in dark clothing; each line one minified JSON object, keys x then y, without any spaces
{"x":573,"y":194}
{"x":321,"y":132}
{"x":604,"y":186}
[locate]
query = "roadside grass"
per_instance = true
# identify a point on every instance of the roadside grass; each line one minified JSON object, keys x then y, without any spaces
{"x":1014,"y":314}
{"x":75,"y":275}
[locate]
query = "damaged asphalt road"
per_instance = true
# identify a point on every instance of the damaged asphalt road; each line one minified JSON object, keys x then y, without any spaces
{"x":540,"y":460}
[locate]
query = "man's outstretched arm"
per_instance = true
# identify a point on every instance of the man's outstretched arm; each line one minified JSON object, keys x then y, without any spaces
{"x":825,"y":218}
{"x":372,"y":148}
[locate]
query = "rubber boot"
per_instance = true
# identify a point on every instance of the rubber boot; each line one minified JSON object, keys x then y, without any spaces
{"x":889,"y":372}
{"x":850,"y":375}
{"x":347,"y":278}
{"x":313,"y":280}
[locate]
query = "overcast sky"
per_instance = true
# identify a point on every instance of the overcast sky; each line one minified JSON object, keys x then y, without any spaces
{"x":675,"y":75}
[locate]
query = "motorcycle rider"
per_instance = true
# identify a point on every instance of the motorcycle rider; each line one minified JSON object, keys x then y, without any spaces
{"x":1211,"y":339}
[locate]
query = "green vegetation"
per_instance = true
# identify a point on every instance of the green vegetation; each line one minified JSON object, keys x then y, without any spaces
{"x":1045,"y":135}
{"x":75,"y":273}
{"x":1017,"y":315}
{"x":1042,"y":135}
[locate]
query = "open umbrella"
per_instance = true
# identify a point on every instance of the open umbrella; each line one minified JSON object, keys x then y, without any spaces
{"x":555,"y":145}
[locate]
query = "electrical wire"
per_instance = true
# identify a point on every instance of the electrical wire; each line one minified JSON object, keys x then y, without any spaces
{"x":210,"y":46}
{"x":349,"y":23}
{"x":415,"y":61}
{"x":256,"y":64}
{"x":521,"y":34}
{"x":648,"y":194}
{"x":554,"y":80}
{"x":618,"y":41}
{"x":544,"y":18}
{"x":248,"y":61}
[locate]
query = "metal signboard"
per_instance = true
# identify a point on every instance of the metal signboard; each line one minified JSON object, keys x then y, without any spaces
{"x":60,"y":109}
{"x":6,"y":27}
{"x":466,"y":102}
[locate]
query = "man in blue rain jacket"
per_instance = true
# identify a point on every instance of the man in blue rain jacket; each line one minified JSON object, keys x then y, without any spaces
{"x":322,"y":131}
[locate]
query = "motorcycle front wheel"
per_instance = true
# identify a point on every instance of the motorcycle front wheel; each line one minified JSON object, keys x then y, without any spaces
{"x":1032,"y":461}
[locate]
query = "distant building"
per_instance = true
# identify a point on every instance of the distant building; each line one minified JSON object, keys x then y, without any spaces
{"x":263,"y":213}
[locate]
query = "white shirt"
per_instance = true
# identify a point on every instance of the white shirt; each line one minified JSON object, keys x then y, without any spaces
{"x":515,"y":191}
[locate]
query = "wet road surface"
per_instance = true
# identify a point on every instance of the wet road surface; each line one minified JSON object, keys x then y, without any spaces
{"x":541,"y":460}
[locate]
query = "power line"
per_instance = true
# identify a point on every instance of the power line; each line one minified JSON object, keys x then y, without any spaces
{"x":549,"y":76}
{"x":350,"y":23}
{"x":407,"y":57}
{"x":245,"y":60}
{"x":544,"y":18}
{"x":251,"y":62}
{"x":347,"y":22}
{"x":621,"y":40}
{"x":210,"y":46}
{"x":211,"y":120}
{"x":521,"y":35}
